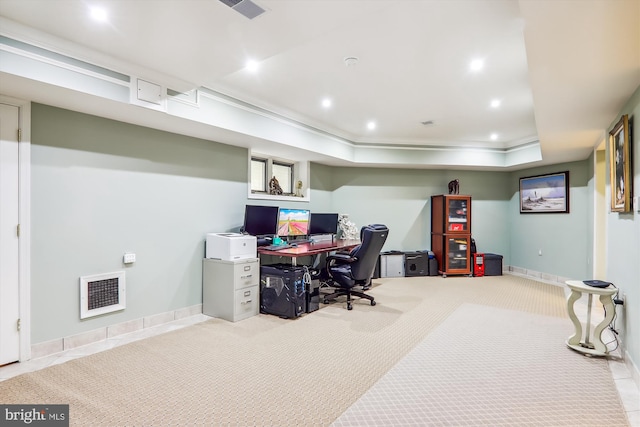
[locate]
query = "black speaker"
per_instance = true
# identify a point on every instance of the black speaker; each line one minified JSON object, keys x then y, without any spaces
{"x":416,"y":264}
{"x":282,"y":290}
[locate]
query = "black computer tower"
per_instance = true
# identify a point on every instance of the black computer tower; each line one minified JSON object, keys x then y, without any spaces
{"x":312,"y":296}
{"x":282,"y":290}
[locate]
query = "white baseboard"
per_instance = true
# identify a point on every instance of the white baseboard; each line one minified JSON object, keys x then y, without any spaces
{"x":96,"y":335}
{"x":538,"y":275}
{"x":633,"y":369}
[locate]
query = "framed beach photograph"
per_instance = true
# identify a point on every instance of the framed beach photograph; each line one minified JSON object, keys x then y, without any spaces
{"x":547,"y":193}
{"x":620,"y":166}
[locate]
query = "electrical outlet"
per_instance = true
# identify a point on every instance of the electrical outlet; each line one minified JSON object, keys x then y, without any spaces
{"x":129,"y":258}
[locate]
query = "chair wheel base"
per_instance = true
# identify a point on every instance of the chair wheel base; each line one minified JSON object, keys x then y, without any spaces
{"x":373,"y":303}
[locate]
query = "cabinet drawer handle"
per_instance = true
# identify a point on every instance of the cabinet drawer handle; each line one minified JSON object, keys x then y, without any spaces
{"x":245,"y":302}
{"x":247,"y":267}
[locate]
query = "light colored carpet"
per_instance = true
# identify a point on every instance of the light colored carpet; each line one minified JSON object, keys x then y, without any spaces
{"x":476,"y":369}
{"x":266,"y":371}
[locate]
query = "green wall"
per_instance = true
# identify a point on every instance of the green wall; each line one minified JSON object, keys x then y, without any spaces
{"x":101,"y":188}
{"x":401,"y":199}
{"x":623,"y":243}
{"x":562,"y":237}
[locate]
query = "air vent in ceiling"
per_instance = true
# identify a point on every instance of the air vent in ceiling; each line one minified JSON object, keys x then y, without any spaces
{"x":245,"y":7}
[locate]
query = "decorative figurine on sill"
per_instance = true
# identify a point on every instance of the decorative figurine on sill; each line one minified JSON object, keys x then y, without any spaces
{"x":274,"y":186}
{"x":454,"y":187}
{"x":298,"y":189}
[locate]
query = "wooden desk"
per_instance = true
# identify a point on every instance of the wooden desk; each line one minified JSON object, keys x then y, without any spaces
{"x":314,"y":248}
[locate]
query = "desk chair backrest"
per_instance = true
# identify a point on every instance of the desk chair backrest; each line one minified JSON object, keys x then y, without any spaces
{"x":372,"y":237}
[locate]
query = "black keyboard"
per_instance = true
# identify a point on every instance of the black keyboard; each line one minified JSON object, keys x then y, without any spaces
{"x":276,"y":247}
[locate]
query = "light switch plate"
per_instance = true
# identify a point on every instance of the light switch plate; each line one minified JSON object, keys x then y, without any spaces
{"x":129,"y":258}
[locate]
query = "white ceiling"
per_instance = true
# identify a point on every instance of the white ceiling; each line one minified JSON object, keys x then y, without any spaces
{"x":563,"y":69}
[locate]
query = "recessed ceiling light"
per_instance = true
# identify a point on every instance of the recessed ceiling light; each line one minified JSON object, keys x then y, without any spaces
{"x":98,"y":14}
{"x":350,"y":61}
{"x":371,"y":125}
{"x":252,"y":65}
{"x":476,"y":65}
{"x":495,"y":103}
{"x":326,"y":102}
{"x":494,"y":136}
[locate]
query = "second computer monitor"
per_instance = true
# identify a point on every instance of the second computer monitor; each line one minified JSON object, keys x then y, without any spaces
{"x":323,"y":223}
{"x":293,"y":222}
{"x":260,"y":220}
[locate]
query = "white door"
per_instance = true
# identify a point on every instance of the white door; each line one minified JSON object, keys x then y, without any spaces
{"x":9,"y":243}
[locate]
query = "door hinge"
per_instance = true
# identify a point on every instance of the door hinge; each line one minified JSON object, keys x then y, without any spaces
{"x":18,"y":230}
{"x":18,"y":325}
{"x":19,"y":135}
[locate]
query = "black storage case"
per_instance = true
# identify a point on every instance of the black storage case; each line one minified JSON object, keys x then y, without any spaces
{"x":282,"y":290}
{"x":492,"y":265}
{"x":433,"y":263}
{"x":416,"y":264}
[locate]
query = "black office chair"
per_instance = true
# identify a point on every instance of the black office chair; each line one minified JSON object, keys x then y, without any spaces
{"x":348,"y":270}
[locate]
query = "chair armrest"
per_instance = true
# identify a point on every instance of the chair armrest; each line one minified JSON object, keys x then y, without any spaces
{"x":337,"y":258}
{"x":342,"y":258}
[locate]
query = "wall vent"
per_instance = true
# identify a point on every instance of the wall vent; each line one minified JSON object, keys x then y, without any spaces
{"x":246,"y":8}
{"x":101,"y":294}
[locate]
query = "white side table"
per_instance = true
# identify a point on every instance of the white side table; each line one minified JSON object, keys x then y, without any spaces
{"x":597,"y":347}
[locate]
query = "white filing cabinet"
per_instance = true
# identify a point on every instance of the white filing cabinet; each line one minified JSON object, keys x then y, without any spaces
{"x":230,"y":289}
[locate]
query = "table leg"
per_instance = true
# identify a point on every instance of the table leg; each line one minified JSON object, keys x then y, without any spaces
{"x":587,"y":334}
{"x":574,"y":339}
{"x":609,"y":308}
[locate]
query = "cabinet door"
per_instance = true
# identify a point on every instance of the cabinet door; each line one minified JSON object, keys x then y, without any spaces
{"x":458,"y":251}
{"x":458,"y":214}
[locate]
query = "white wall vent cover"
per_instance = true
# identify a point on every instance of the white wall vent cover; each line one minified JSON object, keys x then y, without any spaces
{"x":147,"y":94}
{"x":102,"y":293}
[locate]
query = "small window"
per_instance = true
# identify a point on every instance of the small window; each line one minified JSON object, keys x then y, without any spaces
{"x":258,"y":175}
{"x":284,"y":174}
{"x":292,"y":176}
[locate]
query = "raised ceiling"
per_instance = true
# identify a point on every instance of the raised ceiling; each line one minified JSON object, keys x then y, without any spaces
{"x":561,"y":69}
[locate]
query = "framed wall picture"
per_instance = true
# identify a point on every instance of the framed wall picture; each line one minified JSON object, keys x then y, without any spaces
{"x":547,"y":193}
{"x":620,"y":166}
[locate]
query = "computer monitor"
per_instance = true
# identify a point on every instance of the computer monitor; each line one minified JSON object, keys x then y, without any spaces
{"x":293,"y":222}
{"x":323,"y":223}
{"x":260,"y":220}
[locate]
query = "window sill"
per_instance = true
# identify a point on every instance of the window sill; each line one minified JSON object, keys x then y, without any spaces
{"x":260,"y":196}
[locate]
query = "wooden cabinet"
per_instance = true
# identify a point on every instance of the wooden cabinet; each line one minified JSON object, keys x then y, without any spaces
{"x":451,"y":233}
